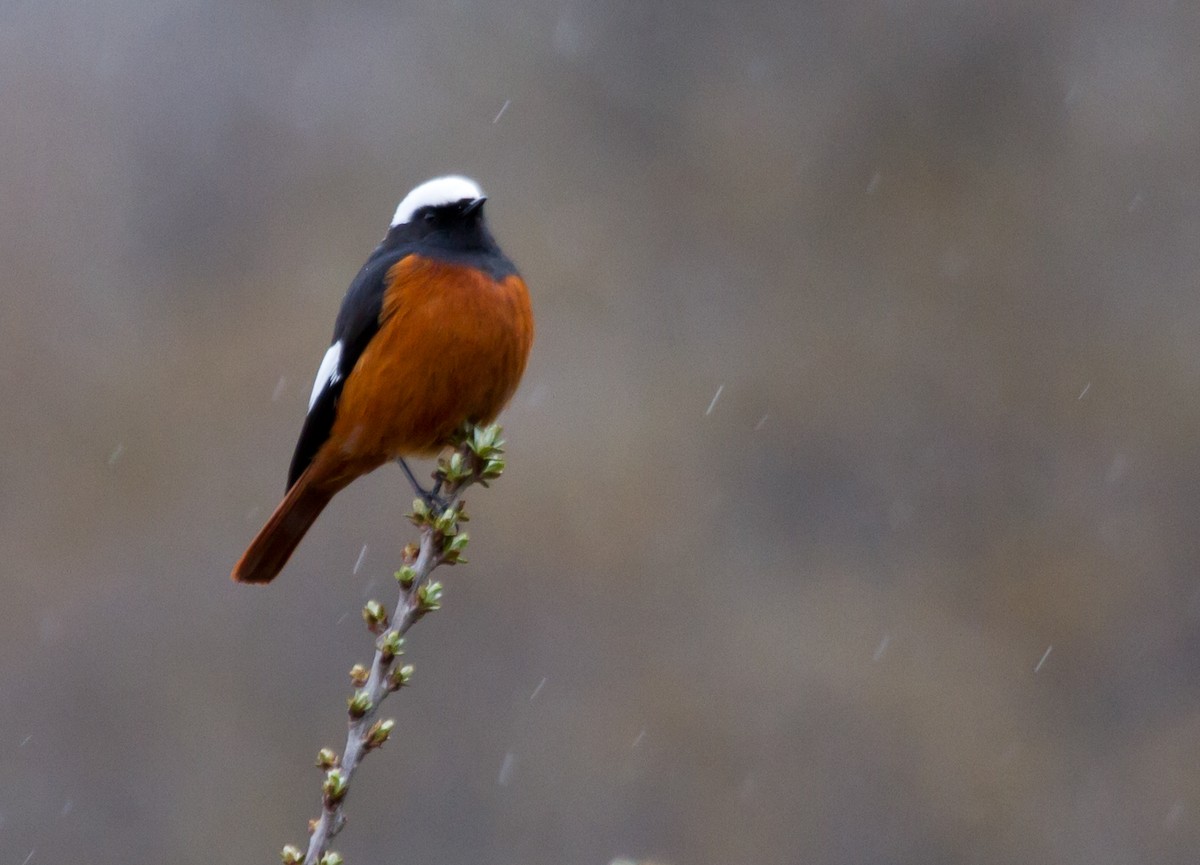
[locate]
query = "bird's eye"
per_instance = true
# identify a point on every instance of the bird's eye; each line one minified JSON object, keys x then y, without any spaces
{"x":431,"y":217}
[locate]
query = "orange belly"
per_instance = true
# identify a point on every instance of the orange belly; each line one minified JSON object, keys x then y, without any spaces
{"x":451,"y":348}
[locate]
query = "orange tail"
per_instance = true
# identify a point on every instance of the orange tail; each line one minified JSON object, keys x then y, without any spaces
{"x":273,"y":546}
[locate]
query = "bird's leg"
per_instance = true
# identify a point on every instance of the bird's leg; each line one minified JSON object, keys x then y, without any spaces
{"x":412,"y":479}
{"x":430,"y":497}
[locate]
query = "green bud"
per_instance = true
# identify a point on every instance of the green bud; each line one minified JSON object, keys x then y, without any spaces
{"x":391,"y":645}
{"x":455,"y":469}
{"x":359,"y":704}
{"x":375,"y":615}
{"x":445,"y":521}
{"x":379,"y":732}
{"x":358,"y":675}
{"x":406,"y":575}
{"x":452,"y":548}
{"x":331,"y":858}
{"x":334,"y":786}
{"x":401,"y":677}
{"x":291,"y":854}
{"x":430,"y":596}
{"x":326,"y":758}
{"x":420,"y":512}
{"x":485,"y":441}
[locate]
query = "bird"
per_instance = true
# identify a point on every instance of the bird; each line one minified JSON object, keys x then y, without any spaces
{"x":434,"y":332}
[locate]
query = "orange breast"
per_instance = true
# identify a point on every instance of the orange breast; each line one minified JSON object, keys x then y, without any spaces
{"x":451,"y":348}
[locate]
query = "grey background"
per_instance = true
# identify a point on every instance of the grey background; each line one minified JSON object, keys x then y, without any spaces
{"x":940,"y":260}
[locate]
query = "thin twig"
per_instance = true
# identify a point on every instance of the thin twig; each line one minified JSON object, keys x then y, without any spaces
{"x":377,"y":687}
{"x":476,"y":460}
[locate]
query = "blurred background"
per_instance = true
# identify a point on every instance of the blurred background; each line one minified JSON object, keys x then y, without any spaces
{"x":852,"y":503}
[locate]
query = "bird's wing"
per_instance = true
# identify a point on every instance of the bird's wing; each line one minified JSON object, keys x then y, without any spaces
{"x":357,"y":322}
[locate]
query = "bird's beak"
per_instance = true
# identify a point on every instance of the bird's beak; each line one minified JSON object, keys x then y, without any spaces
{"x":474,"y":205}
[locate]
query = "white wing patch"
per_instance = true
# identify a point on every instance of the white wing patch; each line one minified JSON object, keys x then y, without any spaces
{"x":436,"y":192}
{"x":328,"y":373}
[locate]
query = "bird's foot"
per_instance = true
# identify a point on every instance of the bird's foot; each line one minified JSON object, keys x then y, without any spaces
{"x":433,"y":498}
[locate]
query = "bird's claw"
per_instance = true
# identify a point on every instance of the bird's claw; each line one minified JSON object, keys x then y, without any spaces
{"x":434,"y":500}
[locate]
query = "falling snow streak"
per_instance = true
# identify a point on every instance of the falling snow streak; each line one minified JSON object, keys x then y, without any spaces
{"x":713,"y":404}
{"x":881,"y":648}
{"x":506,"y":769}
{"x":1045,"y":655}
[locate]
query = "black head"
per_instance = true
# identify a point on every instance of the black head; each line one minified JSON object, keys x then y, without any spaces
{"x":443,"y":212}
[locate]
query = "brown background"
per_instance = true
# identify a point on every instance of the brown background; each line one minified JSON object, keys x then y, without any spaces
{"x":941,"y":260}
